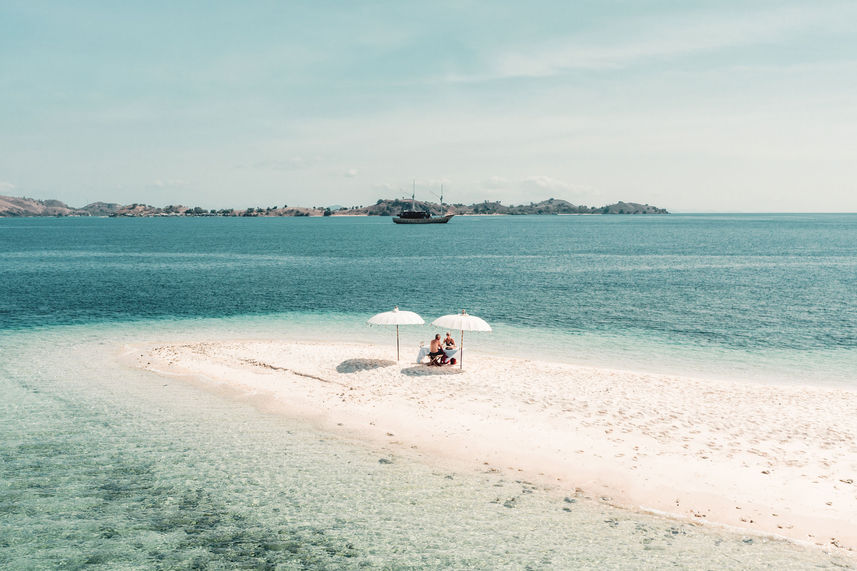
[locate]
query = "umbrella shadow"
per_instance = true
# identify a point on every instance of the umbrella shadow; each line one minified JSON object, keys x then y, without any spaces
{"x":357,"y":365}
{"x":426,"y":371}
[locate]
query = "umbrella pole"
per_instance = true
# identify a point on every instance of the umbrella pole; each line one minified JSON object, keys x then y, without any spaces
{"x":461,"y":360}
{"x":397,"y":343}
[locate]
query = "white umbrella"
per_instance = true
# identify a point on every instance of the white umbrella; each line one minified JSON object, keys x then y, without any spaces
{"x":463,"y":322}
{"x":396,"y":318}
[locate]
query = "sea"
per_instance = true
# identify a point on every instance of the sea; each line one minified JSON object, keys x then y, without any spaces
{"x":108,"y":467}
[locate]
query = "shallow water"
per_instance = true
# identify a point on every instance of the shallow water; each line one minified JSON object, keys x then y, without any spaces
{"x":109,"y":467}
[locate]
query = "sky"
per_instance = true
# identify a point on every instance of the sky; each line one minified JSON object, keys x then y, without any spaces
{"x":746,"y":106}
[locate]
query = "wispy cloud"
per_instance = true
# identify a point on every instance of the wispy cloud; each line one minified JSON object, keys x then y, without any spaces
{"x":387,"y":188}
{"x":540,"y":185}
{"x":537,"y":186}
{"x":667,"y":37}
{"x":495,"y":183}
{"x":351,"y":173}
{"x":294,"y":163}
{"x":169,"y":183}
{"x":542,"y":182}
{"x":6,"y":186}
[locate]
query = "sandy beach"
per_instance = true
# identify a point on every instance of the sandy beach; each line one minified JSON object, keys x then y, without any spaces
{"x":772,"y":459}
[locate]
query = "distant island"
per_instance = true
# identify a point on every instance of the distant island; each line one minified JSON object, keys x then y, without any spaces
{"x":21,"y":207}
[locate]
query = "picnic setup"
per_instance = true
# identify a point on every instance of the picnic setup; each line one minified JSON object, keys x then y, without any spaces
{"x":440,"y":351}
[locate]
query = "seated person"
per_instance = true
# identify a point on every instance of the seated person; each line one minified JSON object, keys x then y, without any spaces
{"x":435,"y":349}
{"x":448,"y":342}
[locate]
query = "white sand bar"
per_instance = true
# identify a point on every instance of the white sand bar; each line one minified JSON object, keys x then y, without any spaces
{"x":779,"y":460}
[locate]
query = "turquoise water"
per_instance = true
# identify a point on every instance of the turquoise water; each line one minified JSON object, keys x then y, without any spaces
{"x":746,"y":296}
{"x":108,"y":467}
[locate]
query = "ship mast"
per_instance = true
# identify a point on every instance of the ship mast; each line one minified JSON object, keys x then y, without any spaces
{"x":440,"y":197}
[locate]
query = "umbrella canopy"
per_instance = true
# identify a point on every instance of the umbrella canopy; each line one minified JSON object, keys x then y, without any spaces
{"x":463,"y":322}
{"x":396,"y":318}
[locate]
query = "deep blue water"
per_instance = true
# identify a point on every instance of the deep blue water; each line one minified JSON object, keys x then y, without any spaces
{"x":733,"y":283}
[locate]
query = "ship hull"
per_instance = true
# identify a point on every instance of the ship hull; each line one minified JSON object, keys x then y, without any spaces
{"x":435,"y":220}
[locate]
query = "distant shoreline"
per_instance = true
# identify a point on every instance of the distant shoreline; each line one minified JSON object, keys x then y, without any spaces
{"x":20,"y":207}
{"x":89,"y":216}
{"x":59,"y":216}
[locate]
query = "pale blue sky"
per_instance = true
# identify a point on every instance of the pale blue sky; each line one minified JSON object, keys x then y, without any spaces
{"x":695,"y":106}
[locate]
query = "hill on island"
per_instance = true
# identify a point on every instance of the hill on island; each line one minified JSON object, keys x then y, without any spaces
{"x":12,"y":206}
{"x":549,"y":206}
{"x":15,"y":207}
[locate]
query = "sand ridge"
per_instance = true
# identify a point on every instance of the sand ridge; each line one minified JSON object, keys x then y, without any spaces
{"x":775,"y":459}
